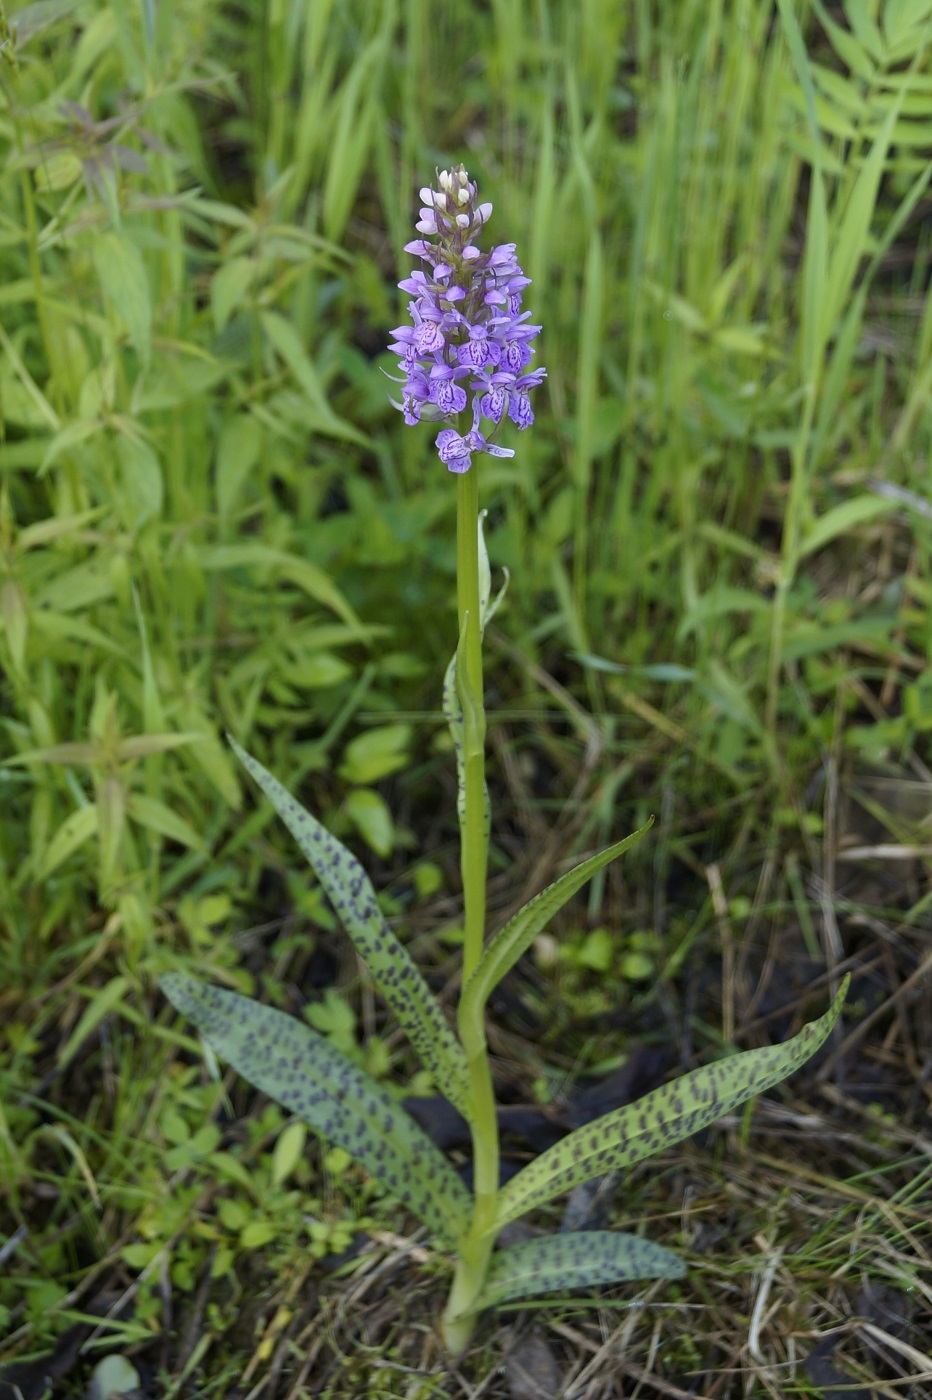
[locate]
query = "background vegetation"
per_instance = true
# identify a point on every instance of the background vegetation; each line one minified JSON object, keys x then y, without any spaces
{"x":719,"y":534}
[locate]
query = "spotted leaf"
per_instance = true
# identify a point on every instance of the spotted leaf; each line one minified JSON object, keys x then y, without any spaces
{"x":519,"y":933}
{"x":573,"y":1261}
{"x":294,"y":1065}
{"x":667,"y":1115}
{"x":350,"y":892}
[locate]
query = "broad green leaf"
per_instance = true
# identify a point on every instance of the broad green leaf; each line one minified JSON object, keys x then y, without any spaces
{"x":376,"y":753}
{"x":575,"y":1260}
{"x":32,"y":19}
{"x":720,"y":601}
{"x":100,"y":1005}
{"x":228,"y":288}
{"x":156,"y":816}
{"x":125,"y":281}
{"x":210,"y":754}
{"x":114,"y":1376}
{"x":238,"y":451}
{"x":350,"y":892}
{"x":111,"y":827}
{"x":280,"y":564}
{"x":44,"y":531}
{"x":74,"y":831}
{"x":72,"y":435}
{"x":728,"y":695}
{"x":807,"y":638}
{"x":372,"y":818}
{"x":143,"y":487}
{"x":668,"y":1115}
{"x":58,"y":627}
{"x":520,"y":931}
{"x":14,"y":616}
{"x":288,"y":344}
{"x":288,"y":1151}
{"x":862,"y":21}
{"x":294,"y":1065}
{"x":91,"y":753}
{"x":316,"y":671}
{"x":901,"y":19}
{"x":851,"y":53}
{"x":76,"y":589}
{"x":845,"y":517}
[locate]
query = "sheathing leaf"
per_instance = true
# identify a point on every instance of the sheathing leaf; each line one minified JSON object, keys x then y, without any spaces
{"x":574,"y":1261}
{"x":394,"y":972}
{"x":666,"y":1116}
{"x":519,"y":933}
{"x":456,"y":721}
{"x":301,"y":1070}
{"x":452,"y":703}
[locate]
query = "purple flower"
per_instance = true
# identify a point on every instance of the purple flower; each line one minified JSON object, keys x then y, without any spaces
{"x":467,"y":325}
{"x":455,"y":451}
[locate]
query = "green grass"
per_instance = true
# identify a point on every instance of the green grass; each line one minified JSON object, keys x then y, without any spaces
{"x":211,"y":519}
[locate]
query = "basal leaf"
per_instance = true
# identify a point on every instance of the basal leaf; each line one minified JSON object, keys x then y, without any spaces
{"x":519,"y":933}
{"x":573,"y":1261}
{"x":289,"y":1061}
{"x":660,"y":1119}
{"x":350,"y":892}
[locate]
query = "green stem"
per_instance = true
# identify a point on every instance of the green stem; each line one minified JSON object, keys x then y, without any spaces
{"x":474,"y":855}
{"x":477,"y":1247}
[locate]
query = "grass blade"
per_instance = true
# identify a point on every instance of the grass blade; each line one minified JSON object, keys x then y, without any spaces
{"x":301,"y":1070}
{"x":668,"y":1115}
{"x":350,"y":892}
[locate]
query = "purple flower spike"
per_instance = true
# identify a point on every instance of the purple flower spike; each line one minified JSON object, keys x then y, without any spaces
{"x":467,"y":324}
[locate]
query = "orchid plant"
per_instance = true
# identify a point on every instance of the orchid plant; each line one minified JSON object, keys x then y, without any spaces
{"x":468,"y":337}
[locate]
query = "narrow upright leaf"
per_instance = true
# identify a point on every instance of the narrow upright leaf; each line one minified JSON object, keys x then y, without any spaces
{"x":289,"y":1061}
{"x":519,"y":933}
{"x":456,"y":720}
{"x":395,"y":974}
{"x":452,"y":703}
{"x":122,"y":273}
{"x":660,"y":1119}
{"x":573,"y":1261}
{"x":843,"y":519}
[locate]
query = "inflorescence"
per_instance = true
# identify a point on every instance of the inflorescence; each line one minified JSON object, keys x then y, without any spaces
{"x":468,"y":332}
